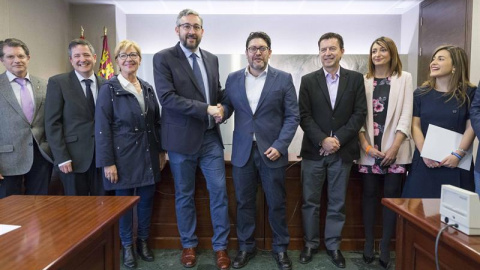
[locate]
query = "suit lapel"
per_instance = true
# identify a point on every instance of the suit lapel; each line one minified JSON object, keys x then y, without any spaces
{"x":208,"y":64}
{"x":267,"y":87}
{"x":183,"y":61}
{"x":77,"y":89}
{"x":37,"y":94}
{"x":7,"y":92}
{"x":242,"y":91}
{"x":342,"y":86}
{"x":392,"y":97}
{"x":322,"y":82}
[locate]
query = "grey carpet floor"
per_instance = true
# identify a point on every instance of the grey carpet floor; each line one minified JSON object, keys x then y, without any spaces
{"x":170,"y":259}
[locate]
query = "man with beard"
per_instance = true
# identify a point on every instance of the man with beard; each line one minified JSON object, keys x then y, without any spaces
{"x":69,"y":121}
{"x":25,"y":157}
{"x":188,"y":87}
{"x":266,"y":118}
{"x":332,"y":110}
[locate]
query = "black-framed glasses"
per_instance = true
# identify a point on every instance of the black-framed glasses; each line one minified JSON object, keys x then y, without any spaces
{"x":188,"y":27}
{"x":124,"y":56}
{"x":254,"y":49}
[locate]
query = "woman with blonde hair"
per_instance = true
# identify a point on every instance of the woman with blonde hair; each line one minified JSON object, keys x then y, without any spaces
{"x":127,"y":138}
{"x":385,"y":142}
{"x":443,"y":100}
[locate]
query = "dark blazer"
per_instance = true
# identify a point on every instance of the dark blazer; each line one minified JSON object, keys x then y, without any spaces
{"x":16,"y":133}
{"x":184,"y":109}
{"x":275,"y":120}
{"x":319,"y":120}
{"x":126,"y":136}
{"x":475,"y":121}
{"x":69,"y":123}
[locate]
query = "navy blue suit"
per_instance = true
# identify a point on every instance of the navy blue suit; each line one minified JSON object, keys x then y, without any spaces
{"x":475,"y":121}
{"x":188,"y":141}
{"x":274,"y":124}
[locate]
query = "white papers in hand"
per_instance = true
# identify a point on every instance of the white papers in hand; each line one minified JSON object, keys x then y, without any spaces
{"x":441,"y":142}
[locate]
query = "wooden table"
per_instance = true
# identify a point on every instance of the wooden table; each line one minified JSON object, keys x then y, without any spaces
{"x":417,"y":227}
{"x":59,"y":232}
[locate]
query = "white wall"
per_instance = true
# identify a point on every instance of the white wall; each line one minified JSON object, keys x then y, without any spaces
{"x":121,"y":25}
{"x":44,"y":27}
{"x":291,"y":34}
{"x":409,"y":43}
{"x":475,"y":53}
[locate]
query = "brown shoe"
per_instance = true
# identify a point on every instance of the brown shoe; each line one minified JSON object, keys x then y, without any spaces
{"x":222,"y":260}
{"x":189,"y":257}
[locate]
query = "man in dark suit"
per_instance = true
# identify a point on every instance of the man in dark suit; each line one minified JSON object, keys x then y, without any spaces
{"x":475,"y":120}
{"x":25,"y":156}
{"x":266,"y":119}
{"x":188,"y":87}
{"x":332,"y":110}
{"x":69,"y":121}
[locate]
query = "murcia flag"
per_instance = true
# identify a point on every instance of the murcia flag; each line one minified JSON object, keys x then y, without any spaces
{"x":106,"y":67}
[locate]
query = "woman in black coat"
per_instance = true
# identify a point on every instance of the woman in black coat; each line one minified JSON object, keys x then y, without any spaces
{"x":128,"y":145}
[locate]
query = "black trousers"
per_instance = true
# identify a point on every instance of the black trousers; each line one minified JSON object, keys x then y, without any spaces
{"x":36,"y":181}
{"x":83,"y":184}
{"x":392,"y":188}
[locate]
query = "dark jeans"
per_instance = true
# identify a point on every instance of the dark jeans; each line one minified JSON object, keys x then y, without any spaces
{"x":144,"y":214}
{"x":392,"y":188}
{"x":211,"y":161}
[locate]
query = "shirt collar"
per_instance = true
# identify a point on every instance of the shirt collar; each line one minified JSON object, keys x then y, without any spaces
{"x":264,"y":73}
{"x":12,"y":77}
{"x":81,"y":78}
{"x":124,"y":82}
{"x":337,"y":74}
{"x":188,"y":52}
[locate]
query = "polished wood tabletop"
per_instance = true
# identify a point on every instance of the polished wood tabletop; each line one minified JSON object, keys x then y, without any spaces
{"x":53,"y":227}
{"x":425,"y":213}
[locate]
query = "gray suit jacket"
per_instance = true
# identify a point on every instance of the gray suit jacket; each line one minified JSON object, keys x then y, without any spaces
{"x":69,"y":124}
{"x":16,"y":140}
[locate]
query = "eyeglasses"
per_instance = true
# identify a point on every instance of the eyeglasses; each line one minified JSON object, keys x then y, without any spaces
{"x":255,"y":49}
{"x":188,"y":27}
{"x":124,"y":56}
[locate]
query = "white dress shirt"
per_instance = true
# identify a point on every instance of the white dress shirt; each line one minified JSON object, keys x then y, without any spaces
{"x":253,"y":87}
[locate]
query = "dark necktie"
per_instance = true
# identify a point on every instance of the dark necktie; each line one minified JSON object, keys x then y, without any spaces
{"x":26,"y":99}
{"x":89,"y":94}
{"x":198,"y":76}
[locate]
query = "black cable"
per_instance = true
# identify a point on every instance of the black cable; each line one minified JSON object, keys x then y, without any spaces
{"x":438,"y":240}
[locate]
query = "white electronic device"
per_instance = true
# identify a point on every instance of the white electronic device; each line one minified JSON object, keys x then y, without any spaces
{"x":462,"y":207}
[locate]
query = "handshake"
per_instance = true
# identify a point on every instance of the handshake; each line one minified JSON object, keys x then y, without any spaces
{"x":216,"y":112}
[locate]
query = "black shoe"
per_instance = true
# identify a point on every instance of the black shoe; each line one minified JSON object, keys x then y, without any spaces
{"x":283,"y":262}
{"x":368,"y":260}
{"x":242,"y":258}
{"x":129,"y":259}
{"x":143,"y":251}
{"x":337,"y":258}
{"x":307,"y":254}
{"x":384,"y":265}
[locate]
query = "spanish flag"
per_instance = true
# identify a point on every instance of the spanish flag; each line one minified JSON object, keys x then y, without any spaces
{"x":106,"y":67}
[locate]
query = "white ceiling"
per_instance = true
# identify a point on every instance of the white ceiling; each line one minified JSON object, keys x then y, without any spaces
{"x":260,"y":6}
